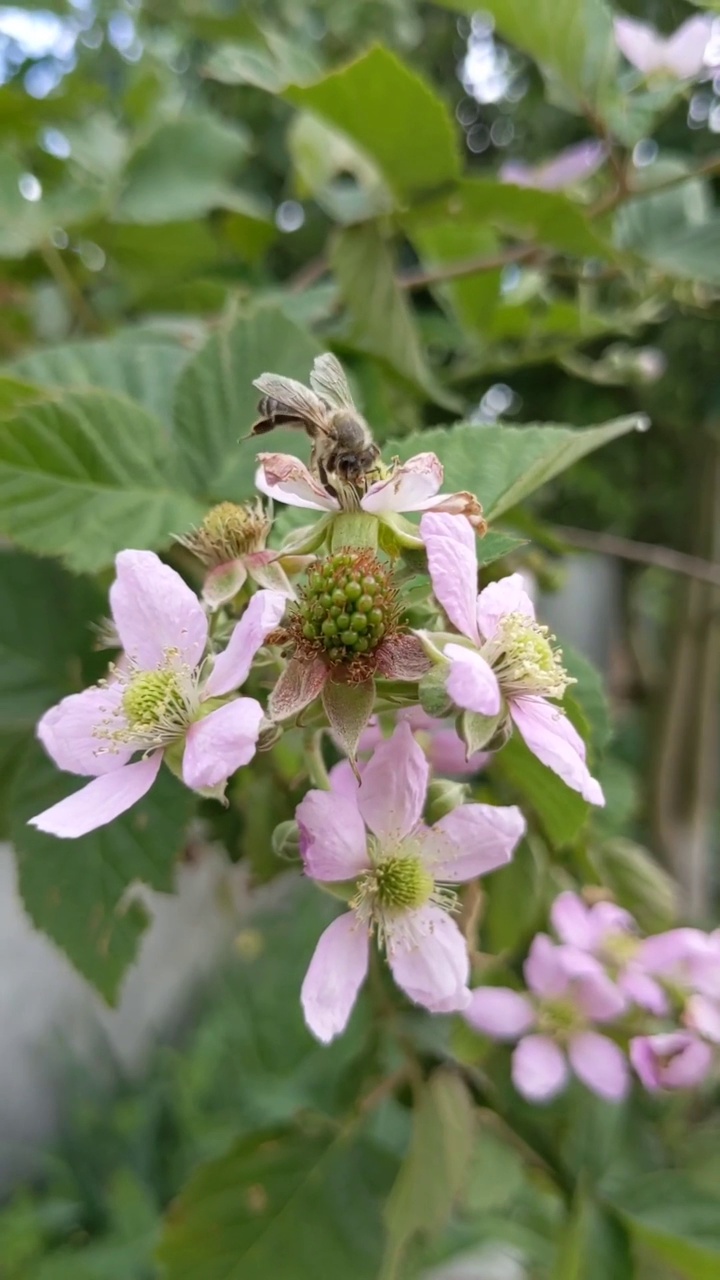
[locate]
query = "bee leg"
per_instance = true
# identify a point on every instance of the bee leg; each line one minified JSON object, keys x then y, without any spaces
{"x":323,"y":476}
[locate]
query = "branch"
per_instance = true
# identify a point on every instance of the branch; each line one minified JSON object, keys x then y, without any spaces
{"x":468,"y":267}
{"x":641,"y":553}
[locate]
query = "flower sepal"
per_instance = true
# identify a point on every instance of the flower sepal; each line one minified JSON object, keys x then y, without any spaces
{"x":432,"y":693}
{"x":354,"y":529}
{"x":308,"y":539}
{"x":398,"y":534}
{"x":348,"y":708}
{"x":484,"y":733}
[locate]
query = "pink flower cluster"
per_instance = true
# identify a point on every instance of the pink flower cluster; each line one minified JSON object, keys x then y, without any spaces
{"x":602,"y":994}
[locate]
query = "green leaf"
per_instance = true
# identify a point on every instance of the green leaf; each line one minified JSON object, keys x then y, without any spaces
{"x":503,"y":465}
{"x":271,"y":66}
{"x":453,"y":240}
{"x":27,"y":225}
{"x":589,"y":693}
{"x":677,"y":1220}
{"x":76,"y":890}
{"x":45,"y":618}
{"x":86,"y":474}
{"x":435,"y":1170}
{"x":592,"y":1245}
{"x":182,"y":170}
{"x":496,"y":544}
{"x":15,"y":392}
{"x":385,"y":108}
{"x":515,"y":900}
{"x":285,"y":1205}
{"x":128,"y":363}
{"x":496,"y":1174}
{"x":676,"y":230}
{"x":285,"y":1070}
{"x":571,"y":41}
{"x":216,"y":403}
{"x":382,"y":321}
{"x":560,"y":811}
{"x":545,"y":217}
{"x":338,"y":176}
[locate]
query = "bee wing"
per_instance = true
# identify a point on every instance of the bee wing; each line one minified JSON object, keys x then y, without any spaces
{"x":328,"y":379}
{"x":293,"y":399}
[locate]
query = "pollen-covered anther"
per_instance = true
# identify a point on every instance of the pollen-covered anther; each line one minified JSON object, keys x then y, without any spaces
{"x":155,"y":709}
{"x":346,"y":608}
{"x":524,"y":659}
{"x":149,"y":697}
{"x":228,"y":532}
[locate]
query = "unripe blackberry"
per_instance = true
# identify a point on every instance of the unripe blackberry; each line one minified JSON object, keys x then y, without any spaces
{"x":346,"y":608}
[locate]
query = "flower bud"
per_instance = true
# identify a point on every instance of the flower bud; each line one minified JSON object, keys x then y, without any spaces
{"x":638,"y":883}
{"x":443,"y":796}
{"x":285,"y":841}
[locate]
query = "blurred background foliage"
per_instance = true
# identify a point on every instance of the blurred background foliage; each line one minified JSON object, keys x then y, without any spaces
{"x":189,"y":193}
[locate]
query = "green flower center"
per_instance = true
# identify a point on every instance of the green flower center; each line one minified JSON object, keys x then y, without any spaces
{"x":346,"y":608}
{"x":559,"y":1017}
{"x":152,"y":698}
{"x":619,"y":948}
{"x":524,"y":659}
{"x":403,"y":883}
{"x":228,"y":532}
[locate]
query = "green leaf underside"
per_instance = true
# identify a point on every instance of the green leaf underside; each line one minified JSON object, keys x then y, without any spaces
{"x":86,"y":474}
{"x":216,"y":403}
{"x":503,"y":465}
{"x":130,"y":364}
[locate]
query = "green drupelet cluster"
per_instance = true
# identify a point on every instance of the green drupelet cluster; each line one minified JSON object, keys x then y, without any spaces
{"x":347,"y":606}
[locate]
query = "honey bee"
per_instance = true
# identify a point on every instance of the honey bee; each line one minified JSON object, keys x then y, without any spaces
{"x":344,"y":455}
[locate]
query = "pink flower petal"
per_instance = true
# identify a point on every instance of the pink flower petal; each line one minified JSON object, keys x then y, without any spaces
{"x":473,"y":840}
{"x":221,"y":743}
{"x":567,"y":167}
{"x":446,"y":752}
{"x":409,"y":487}
{"x":343,"y":781}
{"x":452,"y":563}
{"x":297,"y":686}
{"x":545,"y":973}
{"x":232,"y":666}
{"x":393,"y":787}
{"x":155,"y":611}
{"x":703,"y":1015}
{"x":100,"y":801}
{"x":671,"y":1060}
{"x":434,"y":969}
{"x":599,"y":997}
{"x":69,"y":734}
{"x":550,"y":736}
{"x":570,"y":918}
{"x":471,"y":682}
{"x":336,"y":973}
{"x":539,"y":1069}
{"x":499,"y":599}
{"x":333,"y":844}
{"x":287,"y":479}
{"x":500,"y":1012}
{"x":672,"y":952}
{"x":600,"y":1064}
{"x":685,"y":50}
{"x":641,"y":44}
{"x":644,"y":991}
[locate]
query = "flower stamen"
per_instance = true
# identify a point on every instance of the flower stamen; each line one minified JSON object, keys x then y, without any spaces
{"x":524,"y":659}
